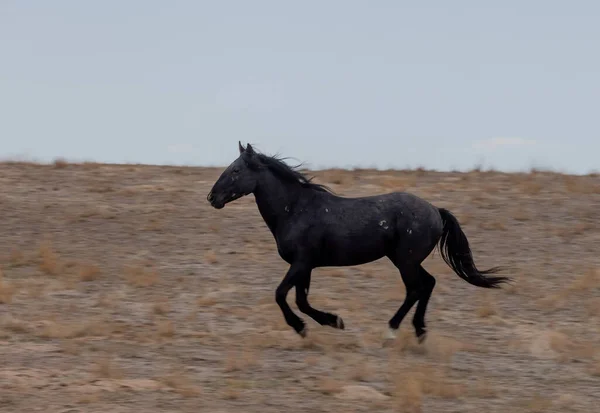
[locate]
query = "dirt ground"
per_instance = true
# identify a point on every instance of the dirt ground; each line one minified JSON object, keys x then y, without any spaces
{"x":122,"y":290}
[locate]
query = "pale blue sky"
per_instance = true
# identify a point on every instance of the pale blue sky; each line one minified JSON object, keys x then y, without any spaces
{"x":439,"y":84}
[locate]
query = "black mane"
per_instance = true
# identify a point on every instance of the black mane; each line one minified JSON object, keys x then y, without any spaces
{"x":289,"y":173}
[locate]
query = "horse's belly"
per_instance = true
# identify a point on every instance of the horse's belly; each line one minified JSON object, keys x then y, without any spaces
{"x":345,"y":254}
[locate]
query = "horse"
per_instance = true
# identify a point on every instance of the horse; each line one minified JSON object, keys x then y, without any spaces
{"x":313,"y":227}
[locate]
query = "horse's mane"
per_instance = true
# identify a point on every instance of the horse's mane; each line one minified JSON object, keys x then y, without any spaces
{"x":289,"y":173}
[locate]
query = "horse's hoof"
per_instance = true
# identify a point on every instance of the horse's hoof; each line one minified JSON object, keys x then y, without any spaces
{"x":421,"y":336}
{"x":339,"y":323}
{"x":389,"y":334}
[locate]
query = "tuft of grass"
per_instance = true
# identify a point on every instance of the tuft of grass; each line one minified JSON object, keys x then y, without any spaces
{"x":165,"y":328}
{"x":98,"y":328}
{"x":105,"y":367}
{"x":60,"y":163}
{"x":211,"y":257}
{"x":138,"y":276}
{"x":161,"y":307}
{"x":49,"y":261}
{"x":89,"y":272}
{"x":408,"y":391}
{"x":180,"y":384}
{"x":6,"y":290}
{"x":586,"y":282}
{"x":538,"y":404}
{"x":330,"y":386}
{"x":240,"y":361}
{"x":15,"y":325}
{"x":487,"y":308}
{"x":17,"y":258}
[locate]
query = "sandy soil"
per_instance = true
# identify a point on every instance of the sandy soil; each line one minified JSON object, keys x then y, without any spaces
{"x":122,"y":290}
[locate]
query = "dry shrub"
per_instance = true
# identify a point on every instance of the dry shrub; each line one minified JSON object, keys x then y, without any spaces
{"x":330,"y":386}
{"x":334,"y":272}
{"x":580,"y":185}
{"x":538,"y":404}
{"x":483,"y":389}
{"x":138,"y":276}
{"x":443,"y":348}
{"x":89,"y":272}
{"x":207,"y":300}
{"x":49,"y":260}
{"x":595,"y":368}
{"x":487,"y":308}
{"x":181,"y":384}
{"x":60,"y":163}
{"x":531,"y":185}
{"x":554,"y":301}
{"x":336,"y":176}
{"x":586,"y":282}
{"x":593,"y":307}
{"x":521,"y":215}
{"x":161,"y":307}
{"x":237,"y":361}
{"x":17,"y":258}
{"x":566,"y":349}
{"x":106,"y":368}
{"x":360,"y":371}
{"x":397,"y":183}
{"x":408,"y":391}
{"x":211,"y":257}
{"x":89,"y":398}
{"x":6,"y":290}
{"x":494,"y":225}
{"x":14,"y":325}
{"x":53,"y":329}
{"x":412,"y":381}
{"x":165,"y":328}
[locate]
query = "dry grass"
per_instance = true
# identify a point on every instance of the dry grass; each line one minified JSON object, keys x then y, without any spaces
{"x":7,"y":290}
{"x":60,"y":163}
{"x":49,"y":260}
{"x":165,"y":328}
{"x":241,"y":360}
{"x":105,"y":367}
{"x":89,"y":272}
{"x":487,"y":308}
{"x":211,"y":257}
{"x":181,"y":384}
{"x":17,"y":258}
{"x":139,"y":276}
{"x":87,"y":320}
{"x":65,"y":330}
{"x":330,"y":386}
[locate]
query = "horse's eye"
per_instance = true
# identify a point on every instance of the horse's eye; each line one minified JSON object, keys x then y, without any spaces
{"x":236,"y":170}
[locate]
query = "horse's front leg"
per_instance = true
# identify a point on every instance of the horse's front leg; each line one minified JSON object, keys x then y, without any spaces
{"x":321,"y":317}
{"x":295,"y":272}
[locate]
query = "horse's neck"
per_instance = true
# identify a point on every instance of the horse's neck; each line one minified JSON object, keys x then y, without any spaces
{"x":275,"y":199}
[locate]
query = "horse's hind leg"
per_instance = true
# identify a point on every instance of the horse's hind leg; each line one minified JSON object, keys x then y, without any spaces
{"x":427,"y":283}
{"x":323,"y":318}
{"x":410,"y":276}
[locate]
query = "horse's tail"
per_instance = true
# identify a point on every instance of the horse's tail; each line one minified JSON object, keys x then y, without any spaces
{"x":455,"y":250}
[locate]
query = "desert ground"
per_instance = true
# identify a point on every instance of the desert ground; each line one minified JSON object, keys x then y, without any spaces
{"x":122,"y":290}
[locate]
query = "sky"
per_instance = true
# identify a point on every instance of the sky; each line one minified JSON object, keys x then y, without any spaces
{"x":443,"y":85}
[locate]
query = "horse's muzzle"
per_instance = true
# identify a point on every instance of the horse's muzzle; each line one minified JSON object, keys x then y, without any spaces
{"x":213,"y":201}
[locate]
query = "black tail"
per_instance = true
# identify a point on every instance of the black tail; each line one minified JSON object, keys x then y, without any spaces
{"x":454,"y":248}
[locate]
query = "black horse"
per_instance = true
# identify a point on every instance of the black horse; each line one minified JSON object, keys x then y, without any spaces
{"x":315,"y":228}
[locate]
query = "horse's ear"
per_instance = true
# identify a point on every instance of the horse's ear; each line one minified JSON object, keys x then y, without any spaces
{"x":249,"y":149}
{"x":241,"y":147}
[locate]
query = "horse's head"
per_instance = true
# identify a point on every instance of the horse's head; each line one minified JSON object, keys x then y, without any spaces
{"x":239,"y":179}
